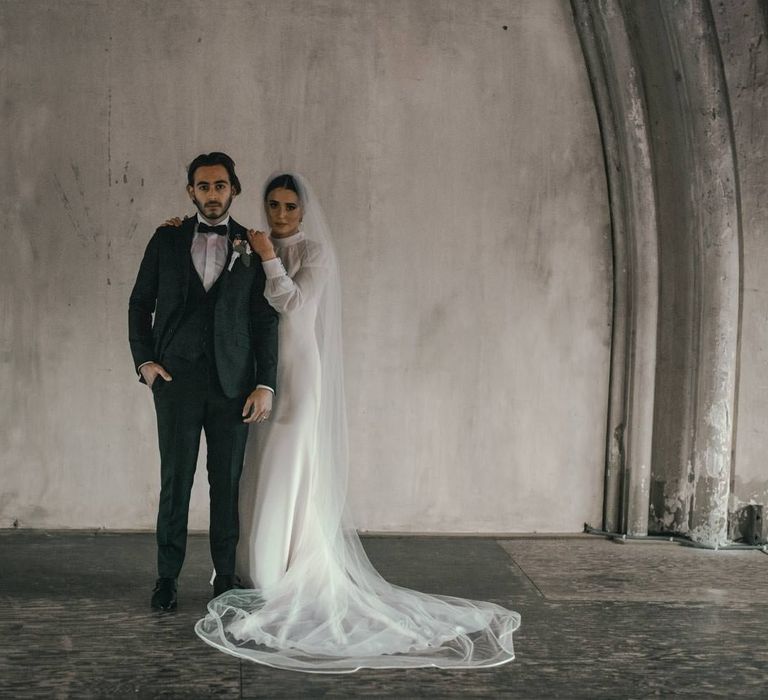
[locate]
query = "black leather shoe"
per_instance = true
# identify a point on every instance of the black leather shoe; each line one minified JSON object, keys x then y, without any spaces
{"x":164,"y":594}
{"x":222,"y":584}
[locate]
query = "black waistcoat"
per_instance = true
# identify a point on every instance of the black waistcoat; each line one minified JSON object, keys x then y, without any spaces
{"x":193,"y":338}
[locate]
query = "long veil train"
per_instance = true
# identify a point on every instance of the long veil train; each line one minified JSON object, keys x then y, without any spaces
{"x":332,"y":612}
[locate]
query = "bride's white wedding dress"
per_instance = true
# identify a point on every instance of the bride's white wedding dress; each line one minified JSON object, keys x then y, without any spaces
{"x":283,"y":454}
{"x":316,"y":603}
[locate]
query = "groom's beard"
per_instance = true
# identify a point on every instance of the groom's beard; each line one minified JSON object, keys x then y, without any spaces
{"x":213,"y":213}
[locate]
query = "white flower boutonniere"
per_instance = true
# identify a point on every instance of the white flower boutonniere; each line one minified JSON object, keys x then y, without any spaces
{"x":240,"y":249}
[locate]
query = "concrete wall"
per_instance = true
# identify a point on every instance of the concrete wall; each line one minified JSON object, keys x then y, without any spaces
{"x":742,"y":27}
{"x":455,"y":148}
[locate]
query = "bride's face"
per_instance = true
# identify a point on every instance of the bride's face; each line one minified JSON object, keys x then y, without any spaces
{"x":284,"y":212}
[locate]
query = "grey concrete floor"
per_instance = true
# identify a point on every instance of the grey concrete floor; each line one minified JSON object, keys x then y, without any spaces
{"x":600,"y":620}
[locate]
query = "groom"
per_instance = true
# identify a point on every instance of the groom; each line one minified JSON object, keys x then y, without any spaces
{"x":209,"y":356}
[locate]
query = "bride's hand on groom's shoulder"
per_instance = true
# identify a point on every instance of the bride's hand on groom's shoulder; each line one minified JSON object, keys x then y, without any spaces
{"x":174,"y":221}
{"x":261,"y":244}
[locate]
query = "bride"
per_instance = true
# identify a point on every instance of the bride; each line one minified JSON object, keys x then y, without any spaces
{"x":315,"y":603}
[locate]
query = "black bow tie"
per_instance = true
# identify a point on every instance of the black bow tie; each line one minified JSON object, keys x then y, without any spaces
{"x":221,"y":229}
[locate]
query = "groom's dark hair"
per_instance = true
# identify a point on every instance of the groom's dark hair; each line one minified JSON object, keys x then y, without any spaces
{"x":215,"y":158}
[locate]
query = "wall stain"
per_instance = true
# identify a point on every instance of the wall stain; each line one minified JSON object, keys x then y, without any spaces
{"x":68,"y":209}
{"x":109,"y":135}
{"x":86,"y":208}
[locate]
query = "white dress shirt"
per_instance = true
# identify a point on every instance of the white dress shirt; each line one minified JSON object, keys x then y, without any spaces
{"x":209,"y":253}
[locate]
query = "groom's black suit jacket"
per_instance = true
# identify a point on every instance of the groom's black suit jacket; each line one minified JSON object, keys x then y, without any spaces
{"x":245,"y":325}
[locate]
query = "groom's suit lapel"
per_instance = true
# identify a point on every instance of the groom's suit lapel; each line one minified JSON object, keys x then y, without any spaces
{"x":235,"y":231}
{"x":226,"y":279}
{"x":184,"y":252}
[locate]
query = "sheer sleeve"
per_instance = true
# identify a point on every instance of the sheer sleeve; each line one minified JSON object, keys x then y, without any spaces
{"x":287,"y":294}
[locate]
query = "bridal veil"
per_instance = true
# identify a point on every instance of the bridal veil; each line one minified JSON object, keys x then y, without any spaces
{"x":332,"y":612}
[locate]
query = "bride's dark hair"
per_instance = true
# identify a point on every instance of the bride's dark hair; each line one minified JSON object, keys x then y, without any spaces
{"x":286,"y":181}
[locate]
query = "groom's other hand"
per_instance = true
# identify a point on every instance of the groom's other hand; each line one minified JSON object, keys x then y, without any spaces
{"x":258,"y":406}
{"x":151,"y":371}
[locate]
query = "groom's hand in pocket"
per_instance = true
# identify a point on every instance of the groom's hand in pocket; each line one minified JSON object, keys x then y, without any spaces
{"x":258,"y":406}
{"x":151,"y":371}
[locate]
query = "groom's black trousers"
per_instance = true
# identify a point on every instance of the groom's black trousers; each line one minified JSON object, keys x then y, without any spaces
{"x":193,"y":402}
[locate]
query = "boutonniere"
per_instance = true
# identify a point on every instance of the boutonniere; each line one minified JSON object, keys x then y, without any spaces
{"x":240,"y":249}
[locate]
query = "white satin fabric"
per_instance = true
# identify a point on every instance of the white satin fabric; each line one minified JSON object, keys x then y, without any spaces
{"x":283,"y":456}
{"x":316,"y":603}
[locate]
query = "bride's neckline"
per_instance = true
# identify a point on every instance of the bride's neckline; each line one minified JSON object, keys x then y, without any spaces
{"x":287,"y":240}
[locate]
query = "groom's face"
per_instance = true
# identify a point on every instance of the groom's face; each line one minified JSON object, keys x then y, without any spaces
{"x":212,"y":192}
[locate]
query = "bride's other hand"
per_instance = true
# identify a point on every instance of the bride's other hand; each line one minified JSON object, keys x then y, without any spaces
{"x":174,"y":221}
{"x":261,"y":244}
{"x":258,"y":406}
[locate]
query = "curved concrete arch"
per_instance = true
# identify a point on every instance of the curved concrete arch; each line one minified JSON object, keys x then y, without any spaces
{"x":623,"y":124}
{"x":714,"y":227}
{"x":660,"y":92}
